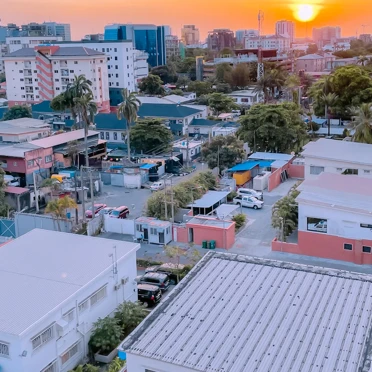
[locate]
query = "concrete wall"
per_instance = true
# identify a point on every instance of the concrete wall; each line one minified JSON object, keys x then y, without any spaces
{"x":327,"y":246}
{"x":296,"y":171}
{"x":180,"y":234}
{"x":95,"y":225}
{"x":275,"y":179}
{"x":132,"y":181}
{"x":121,"y":226}
{"x":25,"y":222}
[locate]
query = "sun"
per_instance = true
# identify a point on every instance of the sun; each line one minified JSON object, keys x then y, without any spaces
{"x":305,"y":12}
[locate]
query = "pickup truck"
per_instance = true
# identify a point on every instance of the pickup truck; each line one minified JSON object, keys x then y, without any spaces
{"x":248,"y":201}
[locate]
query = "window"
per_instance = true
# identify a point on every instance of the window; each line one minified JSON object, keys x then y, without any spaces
{"x":22,"y":88}
{"x":348,"y":247}
{"x":350,"y":171}
{"x":139,"y":228}
{"x":115,"y":50}
{"x":83,"y":305}
{"x":366,"y":171}
{"x":35,"y":71}
{"x":127,"y":58}
{"x":70,"y":353}
{"x":128,"y":75}
{"x":366,"y":226}
{"x":153,"y":231}
{"x":57,"y":88}
{"x":56,"y":79}
{"x":117,"y":75}
{"x":30,"y":163}
{"x":117,"y":84}
{"x":107,"y":135}
{"x":116,"y":67}
{"x":22,"y":79}
{"x":115,"y":136}
{"x":316,"y":170}
{"x":75,"y":62}
{"x":339,"y":169}
{"x":50,"y":367}
{"x":116,"y":58}
{"x":69,"y":316}
{"x":4,"y":349}
{"x":48,"y":159}
{"x":366,"y":249}
{"x":71,"y":71}
{"x":56,"y":71}
{"x":42,"y":338}
{"x":98,"y":296}
{"x":123,"y":136}
{"x":109,"y":75}
{"x":317,"y":224}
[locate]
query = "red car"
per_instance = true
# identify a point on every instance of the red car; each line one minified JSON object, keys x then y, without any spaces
{"x":97,"y":208}
{"x":120,"y":212}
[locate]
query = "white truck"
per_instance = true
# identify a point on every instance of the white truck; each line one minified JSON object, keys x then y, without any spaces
{"x":248,"y":201}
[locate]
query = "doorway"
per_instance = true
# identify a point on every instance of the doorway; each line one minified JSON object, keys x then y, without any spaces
{"x":145,"y":234}
{"x":191,"y":235}
{"x":161,"y":237}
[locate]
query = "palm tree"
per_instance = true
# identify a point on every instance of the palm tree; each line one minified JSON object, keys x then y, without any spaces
{"x":264,"y":86}
{"x":363,"y":124}
{"x":329,"y":101}
{"x":292,"y":83}
{"x":362,"y":60}
{"x":86,"y":108}
{"x":277,"y":78}
{"x":58,"y":208}
{"x":128,"y":110}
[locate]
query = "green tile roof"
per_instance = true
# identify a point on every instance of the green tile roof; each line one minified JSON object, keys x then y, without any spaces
{"x":166,"y":110}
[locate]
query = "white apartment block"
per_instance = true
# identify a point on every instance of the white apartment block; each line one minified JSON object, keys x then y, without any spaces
{"x":337,"y":157}
{"x":277,"y":42}
{"x":19,"y":42}
{"x":40,"y":74}
{"x":57,"y":286}
{"x":286,"y":29}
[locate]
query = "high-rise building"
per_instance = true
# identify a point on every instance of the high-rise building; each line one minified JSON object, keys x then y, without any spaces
{"x":19,"y":42}
{"x":172,"y":46}
{"x":326,"y":35}
{"x":58,"y":29}
{"x":126,"y":66}
{"x":277,"y":42}
{"x":147,"y":38}
{"x":286,"y":29}
{"x":190,"y":34}
{"x":41,"y":73}
{"x":219,"y":39}
{"x":93,"y":37}
{"x":3,"y":34}
{"x":34,"y":29}
{"x":241,"y":34}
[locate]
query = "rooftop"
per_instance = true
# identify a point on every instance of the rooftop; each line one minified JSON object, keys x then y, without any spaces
{"x":166,"y":111}
{"x":153,"y":221}
{"x":338,"y":191}
{"x":209,"y":199}
{"x":213,"y":222}
{"x":17,"y":150}
{"x":25,"y":123}
{"x":174,"y":98}
{"x":311,"y":56}
{"x":76,"y":51}
{"x":182,"y":144}
{"x":350,"y":152}
{"x":59,"y":139}
{"x":44,"y":268}
{"x":237,"y":311}
{"x":145,"y":99}
{"x":270,"y":156}
{"x":244,"y":93}
{"x":250,"y":164}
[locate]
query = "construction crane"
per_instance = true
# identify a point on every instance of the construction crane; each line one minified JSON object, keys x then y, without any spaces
{"x":260,"y":65}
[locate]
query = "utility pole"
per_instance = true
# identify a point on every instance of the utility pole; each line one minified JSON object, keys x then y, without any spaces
{"x":92,"y":191}
{"x":165,"y":200}
{"x":83,"y":190}
{"x":76,"y":199}
{"x":187,"y":147}
{"x":172,"y":201}
{"x":218,"y":159}
{"x":260,"y":65}
{"x":36,"y":193}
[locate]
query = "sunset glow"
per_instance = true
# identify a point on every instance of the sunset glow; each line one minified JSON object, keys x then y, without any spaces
{"x":305,"y":13}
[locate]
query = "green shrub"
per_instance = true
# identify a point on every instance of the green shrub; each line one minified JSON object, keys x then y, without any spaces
{"x":232,"y":195}
{"x":129,"y":315}
{"x":106,"y":335}
{"x":239,"y":220}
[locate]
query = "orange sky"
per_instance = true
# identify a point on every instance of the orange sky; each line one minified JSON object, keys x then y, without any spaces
{"x":90,"y":16}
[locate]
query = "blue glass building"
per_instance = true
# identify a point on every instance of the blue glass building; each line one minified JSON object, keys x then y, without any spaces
{"x":148,"y":38}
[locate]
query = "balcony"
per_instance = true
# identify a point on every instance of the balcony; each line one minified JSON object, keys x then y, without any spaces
{"x":27,"y":72}
{"x":29,"y":90}
{"x":64,"y":73}
{"x":27,"y":64}
{"x":63,"y":64}
{"x":65,"y":81}
{"x":28,"y":81}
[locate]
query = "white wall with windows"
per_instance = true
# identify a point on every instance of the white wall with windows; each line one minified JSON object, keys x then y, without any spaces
{"x":19,"y":42}
{"x":315,"y":166}
{"x":59,"y":340}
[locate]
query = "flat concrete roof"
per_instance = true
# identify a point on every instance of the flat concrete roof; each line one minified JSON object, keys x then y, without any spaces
{"x":209,"y":199}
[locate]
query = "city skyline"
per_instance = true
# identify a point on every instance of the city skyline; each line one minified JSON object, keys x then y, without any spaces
{"x":349,"y":17}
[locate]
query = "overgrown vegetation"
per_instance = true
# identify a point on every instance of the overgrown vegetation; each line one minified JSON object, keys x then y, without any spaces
{"x":240,"y":220}
{"x":17,"y":112}
{"x":285,"y":214}
{"x":4,"y":208}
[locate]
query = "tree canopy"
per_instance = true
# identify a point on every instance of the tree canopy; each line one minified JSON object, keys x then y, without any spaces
{"x":151,"y":84}
{"x":17,"y":112}
{"x":200,"y":87}
{"x":351,"y":84}
{"x":3,"y":205}
{"x":165,"y":73}
{"x":223,"y":151}
{"x":150,"y":135}
{"x":312,"y":49}
{"x":220,"y":102}
{"x":273,"y":128}
{"x":363,"y":123}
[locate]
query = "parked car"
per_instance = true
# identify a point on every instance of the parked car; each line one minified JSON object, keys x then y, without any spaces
{"x":120,"y":212}
{"x":106,"y":210}
{"x":167,"y":268}
{"x":321,"y":226}
{"x":97,"y":208}
{"x":159,"y":279}
{"x":149,"y":294}
{"x":158,"y":185}
{"x":250,"y":192}
{"x":248,"y":201}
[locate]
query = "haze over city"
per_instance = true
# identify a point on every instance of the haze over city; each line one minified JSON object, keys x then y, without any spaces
{"x":91,"y":17}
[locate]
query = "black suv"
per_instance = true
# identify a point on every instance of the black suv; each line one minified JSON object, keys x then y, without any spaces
{"x":159,"y":279}
{"x":168,"y":269}
{"x":149,"y":294}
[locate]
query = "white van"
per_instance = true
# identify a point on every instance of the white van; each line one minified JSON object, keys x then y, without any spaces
{"x":158,"y":185}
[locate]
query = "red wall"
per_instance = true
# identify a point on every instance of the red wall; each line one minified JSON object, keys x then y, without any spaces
{"x":274,"y":179}
{"x":16,"y":165}
{"x":182,"y":232}
{"x":296,"y":171}
{"x":326,"y":246}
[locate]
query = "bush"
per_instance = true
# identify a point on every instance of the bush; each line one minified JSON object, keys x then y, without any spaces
{"x":239,"y":220}
{"x":106,"y":335}
{"x":116,"y":365}
{"x":85,"y":368}
{"x":232,"y":195}
{"x":128,"y":315}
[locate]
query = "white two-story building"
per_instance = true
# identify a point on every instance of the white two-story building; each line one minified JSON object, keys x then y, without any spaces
{"x":337,"y":157}
{"x":55,"y":286}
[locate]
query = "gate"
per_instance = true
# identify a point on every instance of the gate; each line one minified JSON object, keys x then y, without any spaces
{"x":7,"y":227}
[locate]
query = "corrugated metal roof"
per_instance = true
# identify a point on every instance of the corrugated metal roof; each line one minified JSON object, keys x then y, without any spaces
{"x":279,"y":163}
{"x":270,"y":156}
{"x":43,"y":268}
{"x":16,"y":190}
{"x":209,"y":199}
{"x":250,"y":164}
{"x":345,"y":151}
{"x":237,"y":313}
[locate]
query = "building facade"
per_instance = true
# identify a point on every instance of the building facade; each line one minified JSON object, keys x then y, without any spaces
{"x":310,"y":63}
{"x":190,"y":34}
{"x":286,"y":29}
{"x":19,"y":42}
{"x":326,"y":35}
{"x":146,"y":38}
{"x":42,"y":73}
{"x":241,"y":34}
{"x":49,"y":314}
{"x":219,"y":39}
{"x":278,"y":42}
{"x":172,"y":47}
{"x":58,"y":29}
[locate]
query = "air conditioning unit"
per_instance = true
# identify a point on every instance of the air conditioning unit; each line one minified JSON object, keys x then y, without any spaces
{"x":117,"y":286}
{"x":62,"y":327}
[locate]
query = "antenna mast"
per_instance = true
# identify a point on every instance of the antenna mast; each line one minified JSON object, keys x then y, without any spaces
{"x":260,"y":66}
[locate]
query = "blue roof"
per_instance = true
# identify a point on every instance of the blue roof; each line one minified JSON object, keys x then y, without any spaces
{"x":162,"y":110}
{"x":147,"y":166}
{"x":250,"y":164}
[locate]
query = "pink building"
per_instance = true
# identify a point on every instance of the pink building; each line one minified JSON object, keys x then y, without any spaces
{"x":200,"y":229}
{"x":334,"y":219}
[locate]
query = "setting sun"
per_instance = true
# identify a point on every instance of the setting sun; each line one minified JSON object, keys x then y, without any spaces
{"x":305,"y":12}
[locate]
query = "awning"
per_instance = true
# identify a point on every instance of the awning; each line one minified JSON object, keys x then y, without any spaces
{"x":225,"y":210}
